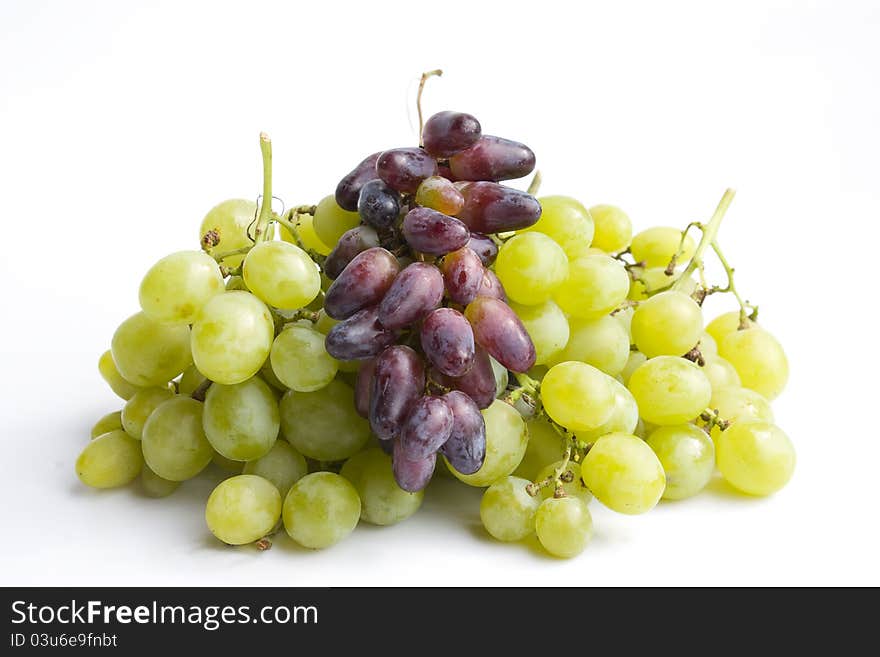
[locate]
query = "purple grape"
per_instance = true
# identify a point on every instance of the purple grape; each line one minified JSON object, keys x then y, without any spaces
{"x":404,"y":169}
{"x":500,"y":332}
{"x":493,"y":158}
{"x":466,"y":447}
{"x":447,"y":133}
{"x":484,"y":247}
{"x":362,"y":283}
{"x":491,"y":286}
{"x":378,"y":204}
{"x":426,"y":428}
{"x":478,"y":383}
{"x":358,"y":337}
{"x":412,"y":475}
{"x":433,"y":232}
{"x":398,"y":381}
{"x":463,"y":274}
{"x":349,"y":188}
{"x":416,"y":291}
{"x":353,"y":241}
{"x":448,"y":342}
{"x":493,"y":208}
{"x":362,"y":385}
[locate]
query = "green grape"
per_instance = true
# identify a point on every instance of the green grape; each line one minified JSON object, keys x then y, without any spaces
{"x":531,"y":266}
{"x":232,"y":337}
{"x":236,"y":283}
{"x":720,"y":373}
{"x":656,"y":246}
{"x":281,"y":274}
{"x":670,"y":390}
{"x":325,"y":322}
{"x":602,"y":343}
{"x":300,"y":361}
{"x":383,"y":502}
{"x":726,"y":323}
{"x":111,"y":460}
{"x":190,"y":380}
{"x":633,"y":362}
{"x":114,"y":379}
{"x":759,"y":360}
{"x":708,"y":345}
{"x":230,"y":221}
{"x":269,"y":377}
{"x":506,"y":441}
{"x":573,"y":488}
{"x":235,"y":467}
{"x":507,"y":510}
{"x":174,"y":442}
{"x":283,"y":466}
{"x":564,"y":526}
{"x":138,"y":409}
{"x":740,"y":405}
{"x":613,"y":228}
{"x":595,"y":286}
{"x":321,"y":509}
{"x":148,"y":353}
{"x":624,"y":316}
{"x":651,"y":280}
{"x":502,"y":376}
{"x":241,"y":421}
{"x":155,"y":486}
{"x":108,"y":423}
{"x":546,"y":325}
{"x":687,"y":456}
{"x":567,"y":222}
{"x":330,"y":221}
{"x":667,"y":324}
{"x":577,"y":396}
{"x":324,"y":425}
{"x":305,"y":228}
{"x":544,"y":447}
{"x":624,"y":415}
{"x":243,"y":509}
{"x":755,"y":457}
{"x":624,"y":473}
{"x":176,"y":287}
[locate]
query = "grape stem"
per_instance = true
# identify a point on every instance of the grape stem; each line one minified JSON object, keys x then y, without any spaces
{"x":261,"y":232}
{"x":199,"y":393}
{"x":535,"y":185}
{"x":710,"y":232}
{"x":731,"y":287}
{"x":290,"y":220}
{"x":427,"y":74}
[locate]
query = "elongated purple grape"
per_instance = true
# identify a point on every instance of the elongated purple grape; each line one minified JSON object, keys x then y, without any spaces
{"x":433,"y":232}
{"x":358,"y":337}
{"x":491,"y":286}
{"x":463,"y":274}
{"x":493,"y":158}
{"x":426,"y":428}
{"x":484,"y":247}
{"x":362,"y":283}
{"x":353,"y":241}
{"x":362,"y":387}
{"x":349,"y":188}
{"x":448,"y":341}
{"x":416,"y":291}
{"x":404,"y":169}
{"x":493,"y":208}
{"x":378,"y":204}
{"x":500,"y":332}
{"x":398,"y":381}
{"x":447,"y":133}
{"x":412,"y":475}
{"x":466,"y":447}
{"x":478,"y":383}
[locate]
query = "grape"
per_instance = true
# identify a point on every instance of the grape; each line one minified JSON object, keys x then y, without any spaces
{"x":243,"y":509}
{"x":383,"y":502}
{"x":613,"y":228}
{"x":448,"y":341}
{"x":624,"y":473}
{"x":492,"y":287}
{"x":506,"y":441}
{"x":324,"y":425}
{"x":235,"y":467}
{"x":577,"y":395}
{"x":114,"y":379}
{"x":426,"y":428}
{"x":602,"y":343}
{"x":708,"y":344}
{"x":720,"y":373}
{"x":190,"y":380}
{"x":655,"y":246}
{"x":360,"y":336}
{"x":651,"y":280}
{"x":493,"y":158}
{"x":531,"y":266}
{"x":305,"y":229}
{"x":465,"y":449}
{"x":404,"y":169}
{"x":507,"y":510}
{"x":547,"y":327}
{"x":363,"y":386}
{"x":447,"y":133}
{"x":624,"y":415}
{"x":147,"y":353}
{"x":668,"y":324}
{"x":232,"y":337}
{"x":755,"y":457}
{"x":378,"y":205}
{"x":320,"y":510}
{"x":439,"y":194}
{"x":230,"y":221}
{"x":236,"y":283}
{"x":740,"y":405}
{"x":398,"y":381}
{"x":759,"y":360}
{"x":463,"y":275}
{"x":564,"y":526}
{"x":282,"y":465}
{"x":429,"y":231}
{"x":479,"y":383}
{"x":331,"y":221}
{"x":595,"y":286}
{"x":111,"y":460}
{"x":543,"y":448}
{"x":484,"y":247}
{"x":726,"y":323}
{"x":155,"y":486}
{"x":300,"y":361}
{"x":176,"y":287}
{"x":354,"y":241}
{"x":687,"y":456}
{"x":500,"y":332}
{"x":493,"y":208}
{"x":138,"y":409}
{"x":241,"y":421}
{"x":174,"y":442}
{"x":670,"y":390}
{"x":414,"y":293}
{"x":107,"y":423}
{"x":281,"y":274}
{"x":633,"y":362}
{"x":349,"y":188}
{"x":573,"y":488}
{"x":362,"y":283}
{"x":324,"y":324}
{"x":412,"y":474}
{"x":567,"y":222}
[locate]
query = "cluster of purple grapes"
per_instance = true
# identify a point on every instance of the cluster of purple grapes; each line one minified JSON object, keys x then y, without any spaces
{"x":415,"y":295}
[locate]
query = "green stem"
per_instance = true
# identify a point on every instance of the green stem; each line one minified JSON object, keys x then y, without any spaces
{"x":427,"y":74}
{"x":710,"y":231}
{"x":527,"y":383}
{"x":731,"y":287}
{"x":535,"y":185}
{"x":261,"y":233}
{"x":220,"y":257}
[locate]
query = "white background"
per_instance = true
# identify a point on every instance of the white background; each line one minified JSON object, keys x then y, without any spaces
{"x":122,"y":123}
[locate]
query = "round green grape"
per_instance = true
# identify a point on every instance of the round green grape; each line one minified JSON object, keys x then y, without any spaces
{"x":624,"y":415}
{"x":383,"y":502}
{"x":281,"y":274}
{"x":726,"y":323}
{"x":230,"y":221}
{"x":564,"y":526}
{"x":623,"y":473}
{"x":155,"y":486}
{"x":235,"y":467}
{"x":138,"y":409}
{"x":243,"y":509}
{"x":305,"y":228}
{"x":547,"y":326}
{"x":176,"y":287}
{"x":755,"y":457}
{"x":114,"y":379}
{"x":602,"y":343}
{"x":241,"y":421}
{"x":595,"y":286}
{"x":111,"y":460}
{"x":687,"y":455}
{"x":567,"y":222}
{"x":321,"y":509}
{"x":633,"y":362}
{"x":759,"y":360}
{"x":667,"y":324}
{"x":735,"y":404}
{"x":656,"y":246}
{"x":190,"y":380}
{"x":708,"y":345}
{"x":507,"y":510}
{"x":720,"y":373}
{"x":613,"y":228}
{"x":531,"y":266}
{"x":283,"y":466}
{"x":300,"y":361}
{"x":544,"y":447}
{"x":577,"y":396}
{"x":506,"y":441}
{"x":107,"y":423}
{"x":330,"y":221}
{"x":148,"y":353}
{"x":174,"y":442}
{"x":670,"y":390}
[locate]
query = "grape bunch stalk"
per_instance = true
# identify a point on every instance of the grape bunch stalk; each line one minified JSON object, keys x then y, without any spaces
{"x":429,"y":318}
